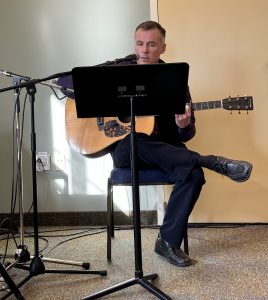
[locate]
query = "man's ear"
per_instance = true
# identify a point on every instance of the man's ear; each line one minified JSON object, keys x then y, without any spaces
{"x":164,"y":48}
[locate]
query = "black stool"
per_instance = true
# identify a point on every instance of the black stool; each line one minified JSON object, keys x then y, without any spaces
{"x":122,"y":177}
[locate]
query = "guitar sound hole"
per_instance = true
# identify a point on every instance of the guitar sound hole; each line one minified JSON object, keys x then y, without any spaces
{"x":124,"y":119}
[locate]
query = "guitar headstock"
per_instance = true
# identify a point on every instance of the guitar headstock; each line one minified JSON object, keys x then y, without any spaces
{"x":238,"y":103}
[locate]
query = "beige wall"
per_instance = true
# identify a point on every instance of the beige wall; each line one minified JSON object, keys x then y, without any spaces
{"x":226,"y":46}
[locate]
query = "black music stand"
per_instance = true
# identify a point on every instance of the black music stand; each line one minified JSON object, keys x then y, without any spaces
{"x":131,"y":90}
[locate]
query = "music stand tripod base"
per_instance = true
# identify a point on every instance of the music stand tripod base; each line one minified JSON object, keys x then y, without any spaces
{"x":139,"y":278}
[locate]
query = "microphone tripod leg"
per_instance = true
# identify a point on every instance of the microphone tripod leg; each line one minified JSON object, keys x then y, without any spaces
{"x":10,"y":283}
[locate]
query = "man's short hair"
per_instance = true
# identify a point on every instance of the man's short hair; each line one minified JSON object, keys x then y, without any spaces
{"x":148,"y":25}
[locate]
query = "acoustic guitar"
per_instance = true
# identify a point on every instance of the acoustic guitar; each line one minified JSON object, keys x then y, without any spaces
{"x":94,"y":136}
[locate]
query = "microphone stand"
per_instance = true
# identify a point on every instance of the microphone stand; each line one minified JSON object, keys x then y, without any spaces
{"x":37,"y":266}
{"x":22,"y":253}
{"x":10,"y":283}
{"x":19,"y":179}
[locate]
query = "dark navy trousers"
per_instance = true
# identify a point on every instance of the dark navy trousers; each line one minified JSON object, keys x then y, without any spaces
{"x":183,"y":167}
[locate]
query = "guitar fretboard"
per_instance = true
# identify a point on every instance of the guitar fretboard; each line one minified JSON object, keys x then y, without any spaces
{"x":206,"y":105}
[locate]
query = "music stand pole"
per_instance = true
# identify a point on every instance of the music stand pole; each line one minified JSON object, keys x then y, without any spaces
{"x":139,"y":277}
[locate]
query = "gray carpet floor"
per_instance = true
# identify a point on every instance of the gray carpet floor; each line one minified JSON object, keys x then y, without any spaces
{"x":232,"y":263}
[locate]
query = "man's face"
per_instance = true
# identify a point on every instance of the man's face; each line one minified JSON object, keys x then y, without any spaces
{"x":149,"y":45}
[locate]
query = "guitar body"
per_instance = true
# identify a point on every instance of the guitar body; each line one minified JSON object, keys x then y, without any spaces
{"x":94,"y":136}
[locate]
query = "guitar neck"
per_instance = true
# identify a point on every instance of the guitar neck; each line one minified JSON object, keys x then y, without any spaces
{"x":206,"y":105}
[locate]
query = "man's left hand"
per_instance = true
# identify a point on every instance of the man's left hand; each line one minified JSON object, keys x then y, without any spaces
{"x":183,"y":120}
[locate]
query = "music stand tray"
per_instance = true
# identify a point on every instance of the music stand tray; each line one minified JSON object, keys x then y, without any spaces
{"x":131,"y":90}
{"x":97,"y":89}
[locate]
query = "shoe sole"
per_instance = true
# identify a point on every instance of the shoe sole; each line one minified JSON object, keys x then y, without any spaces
{"x":163,"y":254}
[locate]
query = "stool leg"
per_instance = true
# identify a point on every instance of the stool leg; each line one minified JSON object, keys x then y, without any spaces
{"x":109,"y":219}
{"x":112,"y":211}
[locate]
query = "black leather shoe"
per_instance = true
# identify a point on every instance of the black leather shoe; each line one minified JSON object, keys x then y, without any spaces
{"x":173,"y":255}
{"x":237,"y":170}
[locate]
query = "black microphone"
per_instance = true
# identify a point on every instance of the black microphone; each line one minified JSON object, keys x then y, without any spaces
{"x":10,"y":74}
{"x":130,"y":57}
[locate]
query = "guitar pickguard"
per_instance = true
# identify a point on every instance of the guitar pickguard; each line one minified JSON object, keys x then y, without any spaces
{"x":113,"y":129}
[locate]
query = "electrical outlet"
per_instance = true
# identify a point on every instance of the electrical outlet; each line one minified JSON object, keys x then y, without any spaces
{"x":43,"y":162}
{"x":59,"y":162}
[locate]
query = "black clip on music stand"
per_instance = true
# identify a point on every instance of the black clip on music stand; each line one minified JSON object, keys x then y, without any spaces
{"x":131,"y":90}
